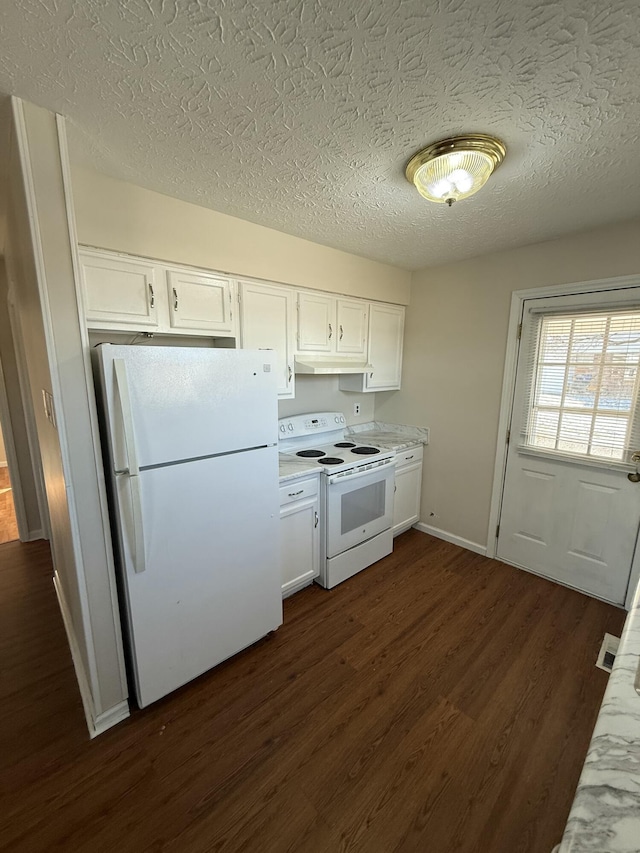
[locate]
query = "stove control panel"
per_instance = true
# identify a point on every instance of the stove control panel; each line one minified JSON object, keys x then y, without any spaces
{"x":313,"y":423}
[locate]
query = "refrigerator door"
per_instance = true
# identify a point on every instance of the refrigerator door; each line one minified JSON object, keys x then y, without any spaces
{"x":211,"y":585}
{"x":186,"y":402}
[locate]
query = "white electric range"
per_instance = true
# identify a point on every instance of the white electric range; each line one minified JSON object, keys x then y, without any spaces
{"x":357,"y":486}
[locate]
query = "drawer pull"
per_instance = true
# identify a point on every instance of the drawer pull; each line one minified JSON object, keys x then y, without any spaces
{"x":409,"y":457}
{"x":293,"y":494}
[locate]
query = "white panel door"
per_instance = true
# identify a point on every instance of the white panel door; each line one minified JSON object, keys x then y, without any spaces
{"x":200,"y":302}
{"x":211,"y":583}
{"x":351,"y":327}
{"x":572,"y":519}
{"x":316,"y":322}
{"x":267,"y":317}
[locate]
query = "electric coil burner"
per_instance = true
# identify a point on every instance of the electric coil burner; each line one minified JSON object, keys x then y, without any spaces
{"x":356,"y":492}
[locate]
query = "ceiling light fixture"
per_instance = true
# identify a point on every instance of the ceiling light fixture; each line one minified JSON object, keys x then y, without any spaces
{"x":455,"y":168}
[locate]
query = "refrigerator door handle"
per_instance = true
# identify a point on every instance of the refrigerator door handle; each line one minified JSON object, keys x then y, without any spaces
{"x":132,"y":470}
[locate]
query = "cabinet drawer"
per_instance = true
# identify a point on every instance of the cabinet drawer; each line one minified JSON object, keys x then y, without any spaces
{"x":411,"y":454}
{"x":298,"y":490}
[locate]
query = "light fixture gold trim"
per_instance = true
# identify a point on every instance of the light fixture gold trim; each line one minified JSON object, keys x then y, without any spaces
{"x":489,"y":146}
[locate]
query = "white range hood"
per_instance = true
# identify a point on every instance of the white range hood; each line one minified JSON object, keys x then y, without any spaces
{"x":319,"y":364}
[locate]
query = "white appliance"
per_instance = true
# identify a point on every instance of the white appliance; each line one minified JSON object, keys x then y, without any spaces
{"x":357,"y":492}
{"x":190,"y":436}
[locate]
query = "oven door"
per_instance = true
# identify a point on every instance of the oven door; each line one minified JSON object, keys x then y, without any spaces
{"x":359,"y":506}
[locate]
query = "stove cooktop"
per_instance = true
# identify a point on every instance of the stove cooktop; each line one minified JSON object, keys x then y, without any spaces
{"x":320,"y":437}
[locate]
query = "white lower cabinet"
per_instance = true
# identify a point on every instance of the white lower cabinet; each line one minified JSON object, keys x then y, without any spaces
{"x":300,"y":533}
{"x":406,"y":503}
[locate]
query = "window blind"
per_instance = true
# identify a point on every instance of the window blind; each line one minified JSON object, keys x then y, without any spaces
{"x":582,"y":384}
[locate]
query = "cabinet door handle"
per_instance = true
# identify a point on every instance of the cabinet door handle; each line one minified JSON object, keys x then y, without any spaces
{"x":293,"y":494}
{"x":290,"y":372}
{"x":341,"y":332}
{"x":152,"y":299}
{"x":330,"y":332}
{"x":316,"y":516}
{"x":395,"y":488}
{"x":371,"y":376}
{"x":175,"y":299}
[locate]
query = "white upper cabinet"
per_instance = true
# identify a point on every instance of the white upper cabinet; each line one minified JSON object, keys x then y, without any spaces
{"x":200,"y":302}
{"x":384,"y":351}
{"x":386,"y":329}
{"x":351,"y":321}
{"x":119,"y":292}
{"x":316,"y":322}
{"x":267,"y":322}
{"x":327,"y":324}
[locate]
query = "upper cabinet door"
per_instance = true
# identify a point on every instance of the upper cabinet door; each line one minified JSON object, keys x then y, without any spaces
{"x":351,"y":337}
{"x":267,"y":322}
{"x":200,"y":302}
{"x":316,"y":322}
{"x":386,"y":328}
{"x":118,"y":292}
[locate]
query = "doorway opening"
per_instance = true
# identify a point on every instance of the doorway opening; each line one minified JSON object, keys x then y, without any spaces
{"x":8,"y":520}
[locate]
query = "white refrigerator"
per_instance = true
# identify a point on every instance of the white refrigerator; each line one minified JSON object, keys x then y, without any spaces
{"x":190,"y":440}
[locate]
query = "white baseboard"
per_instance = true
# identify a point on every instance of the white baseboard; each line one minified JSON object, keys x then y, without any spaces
{"x":451,"y":537}
{"x":96,"y":723}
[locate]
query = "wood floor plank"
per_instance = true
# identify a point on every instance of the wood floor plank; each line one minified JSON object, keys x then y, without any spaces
{"x":438,"y":701}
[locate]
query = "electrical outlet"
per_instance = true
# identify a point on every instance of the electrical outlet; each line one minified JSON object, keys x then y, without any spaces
{"x":356,"y":408}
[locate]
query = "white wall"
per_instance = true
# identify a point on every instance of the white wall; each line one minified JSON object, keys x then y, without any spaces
{"x":115,"y":215}
{"x":40,"y":265}
{"x":322,"y":394}
{"x":455,"y":340}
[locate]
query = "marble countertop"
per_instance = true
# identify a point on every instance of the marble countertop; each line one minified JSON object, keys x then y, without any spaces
{"x":390,"y":436}
{"x":292,"y":467}
{"x":605,"y":815}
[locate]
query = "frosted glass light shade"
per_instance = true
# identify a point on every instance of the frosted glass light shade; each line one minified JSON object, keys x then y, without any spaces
{"x":455,"y":168}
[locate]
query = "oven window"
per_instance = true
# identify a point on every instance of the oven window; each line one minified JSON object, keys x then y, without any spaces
{"x":361,"y":506}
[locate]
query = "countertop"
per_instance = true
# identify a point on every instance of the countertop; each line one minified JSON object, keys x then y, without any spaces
{"x":386,"y":436}
{"x":293,"y":468}
{"x":605,"y":815}
{"x":390,"y":436}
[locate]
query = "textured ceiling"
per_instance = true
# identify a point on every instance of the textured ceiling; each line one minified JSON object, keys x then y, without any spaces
{"x":301,"y":114}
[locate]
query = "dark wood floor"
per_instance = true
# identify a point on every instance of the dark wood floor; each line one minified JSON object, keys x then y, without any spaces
{"x":437,"y":702}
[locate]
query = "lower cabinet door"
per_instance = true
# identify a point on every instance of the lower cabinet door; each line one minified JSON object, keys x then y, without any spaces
{"x":406,"y":503}
{"x":300,"y":544}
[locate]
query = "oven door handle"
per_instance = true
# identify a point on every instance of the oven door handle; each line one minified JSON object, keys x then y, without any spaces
{"x":382,"y":469}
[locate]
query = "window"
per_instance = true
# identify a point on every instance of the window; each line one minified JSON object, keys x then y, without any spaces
{"x":583,"y":384}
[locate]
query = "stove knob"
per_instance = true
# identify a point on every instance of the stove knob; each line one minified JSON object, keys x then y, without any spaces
{"x":337,"y":419}
{"x":290,"y":427}
{"x":282,"y":428}
{"x":342,"y":420}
